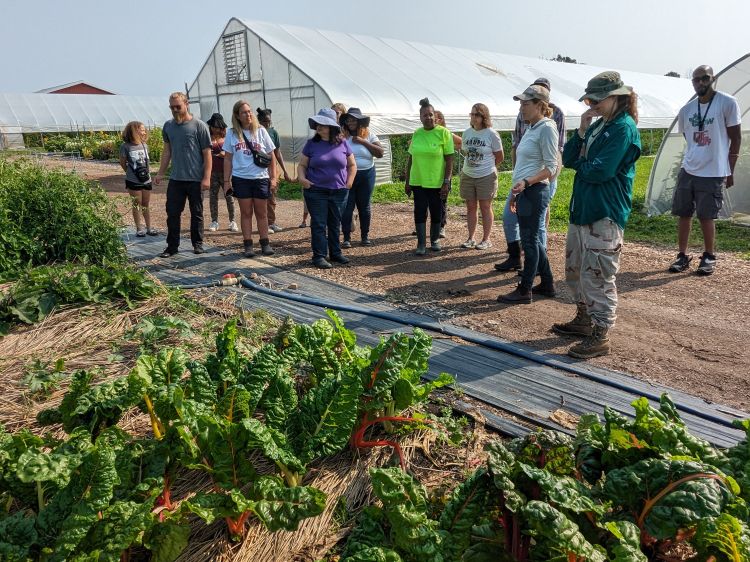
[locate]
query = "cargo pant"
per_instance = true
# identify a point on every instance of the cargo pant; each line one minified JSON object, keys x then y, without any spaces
{"x":592,"y":259}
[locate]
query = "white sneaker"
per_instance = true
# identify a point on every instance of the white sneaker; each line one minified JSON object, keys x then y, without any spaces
{"x":469,"y":243}
{"x":275,"y":227}
{"x":233,"y":227}
{"x":214,"y":226}
{"x":140,"y":233}
{"x":483,"y":245}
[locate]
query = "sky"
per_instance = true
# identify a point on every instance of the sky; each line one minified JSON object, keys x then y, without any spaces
{"x":153,"y":47}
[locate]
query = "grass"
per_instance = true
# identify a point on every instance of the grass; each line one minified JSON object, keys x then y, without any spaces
{"x":660,"y":230}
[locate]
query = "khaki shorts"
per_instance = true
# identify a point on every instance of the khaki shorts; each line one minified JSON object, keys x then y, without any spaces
{"x":699,"y":195}
{"x":478,"y":188}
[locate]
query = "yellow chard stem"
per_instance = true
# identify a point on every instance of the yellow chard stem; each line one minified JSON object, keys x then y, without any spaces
{"x":155,"y":423}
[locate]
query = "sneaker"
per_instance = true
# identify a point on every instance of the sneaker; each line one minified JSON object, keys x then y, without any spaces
{"x":341,"y":258}
{"x":198,"y":249}
{"x":365,"y":242}
{"x":275,"y":227}
{"x":152,"y":232}
{"x":214,"y":226}
{"x":682,"y":263}
{"x":346,"y":244}
{"x":442,"y":233}
{"x":483,"y":245}
{"x":232,"y":227}
{"x":303,"y":224}
{"x":140,"y":233}
{"x":707,"y":264}
{"x":469,"y":243}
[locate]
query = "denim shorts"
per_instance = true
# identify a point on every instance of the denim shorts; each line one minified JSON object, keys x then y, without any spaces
{"x":259,"y":188}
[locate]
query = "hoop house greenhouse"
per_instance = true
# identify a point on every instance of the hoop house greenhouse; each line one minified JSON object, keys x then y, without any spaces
{"x":70,"y":113}
{"x":297,"y":70}
{"x":733,"y":80}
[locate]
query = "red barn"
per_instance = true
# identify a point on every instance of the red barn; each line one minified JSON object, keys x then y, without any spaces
{"x":79,"y":87}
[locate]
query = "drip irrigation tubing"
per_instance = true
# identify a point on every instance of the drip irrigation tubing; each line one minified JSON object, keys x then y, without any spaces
{"x":478,"y":340}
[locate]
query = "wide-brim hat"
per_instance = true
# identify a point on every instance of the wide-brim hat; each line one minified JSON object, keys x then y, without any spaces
{"x":356,"y":113}
{"x":533,"y":92}
{"x":325,"y":116}
{"x":605,"y":84}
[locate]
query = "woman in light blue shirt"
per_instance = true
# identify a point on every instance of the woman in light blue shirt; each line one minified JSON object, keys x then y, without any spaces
{"x":536,"y":163}
{"x":366,"y":147}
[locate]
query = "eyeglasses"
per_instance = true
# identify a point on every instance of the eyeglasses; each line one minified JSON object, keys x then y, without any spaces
{"x":475,"y":114}
{"x":704,"y":78}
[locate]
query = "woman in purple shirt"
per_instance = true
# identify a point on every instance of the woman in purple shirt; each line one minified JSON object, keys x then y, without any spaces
{"x":326,"y":171}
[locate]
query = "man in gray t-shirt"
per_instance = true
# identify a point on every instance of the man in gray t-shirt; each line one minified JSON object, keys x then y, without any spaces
{"x":187,"y":144}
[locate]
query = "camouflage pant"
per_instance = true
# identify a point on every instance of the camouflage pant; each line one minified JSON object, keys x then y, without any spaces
{"x":592,"y":258}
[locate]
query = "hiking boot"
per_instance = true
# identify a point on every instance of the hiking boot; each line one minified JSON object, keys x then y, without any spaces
{"x":233,"y":227}
{"x":544,"y":289}
{"x":168,"y":253}
{"x":514,"y":258}
{"x":421,"y":230}
{"x":322,"y":263}
{"x":198,"y":249}
{"x":520,"y":295}
{"x":248,"y":249}
{"x":214,"y":226}
{"x":682,"y":263}
{"x":580,"y":325}
{"x":265,"y":247}
{"x":435,"y":245}
{"x":707,"y":264}
{"x":593,"y":346}
{"x":341,"y":258}
{"x":365,"y":241}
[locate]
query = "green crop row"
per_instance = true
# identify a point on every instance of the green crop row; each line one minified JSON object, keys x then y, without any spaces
{"x":96,"y":145}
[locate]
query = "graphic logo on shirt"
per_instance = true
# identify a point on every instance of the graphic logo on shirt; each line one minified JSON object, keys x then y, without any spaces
{"x":695,"y":121}
{"x":473,"y":156}
{"x":701,"y":138}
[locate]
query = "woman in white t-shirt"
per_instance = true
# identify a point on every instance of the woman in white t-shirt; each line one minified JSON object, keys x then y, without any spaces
{"x":250,"y":183}
{"x":366,"y":147}
{"x":482,"y":152}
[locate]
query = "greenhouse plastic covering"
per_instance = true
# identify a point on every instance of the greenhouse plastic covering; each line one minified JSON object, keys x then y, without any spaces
{"x":733,"y":80}
{"x":33,"y":113}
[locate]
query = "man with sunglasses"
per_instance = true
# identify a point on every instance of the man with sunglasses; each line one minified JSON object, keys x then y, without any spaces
{"x":711,"y":127}
{"x":187,"y":144}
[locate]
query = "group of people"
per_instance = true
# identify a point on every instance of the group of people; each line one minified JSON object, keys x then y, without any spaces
{"x":337,"y":174}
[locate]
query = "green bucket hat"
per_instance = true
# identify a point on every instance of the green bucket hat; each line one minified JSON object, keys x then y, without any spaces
{"x":605,"y":84}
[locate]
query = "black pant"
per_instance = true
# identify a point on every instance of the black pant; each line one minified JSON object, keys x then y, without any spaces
{"x":424,"y":198}
{"x":177,"y":193}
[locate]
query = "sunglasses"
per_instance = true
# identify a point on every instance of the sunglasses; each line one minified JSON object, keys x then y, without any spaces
{"x":590,"y":102}
{"x":704,"y":78}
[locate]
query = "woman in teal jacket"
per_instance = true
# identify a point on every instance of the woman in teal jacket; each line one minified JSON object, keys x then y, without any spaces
{"x":603,"y":154}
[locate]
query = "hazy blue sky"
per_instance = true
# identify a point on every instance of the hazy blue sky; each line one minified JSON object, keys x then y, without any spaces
{"x":153,"y":47}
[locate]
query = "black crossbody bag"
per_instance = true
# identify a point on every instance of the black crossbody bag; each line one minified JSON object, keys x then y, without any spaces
{"x":261,"y":159}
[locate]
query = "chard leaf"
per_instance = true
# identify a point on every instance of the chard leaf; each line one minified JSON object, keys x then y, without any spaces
{"x":341,"y":336}
{"x":501,"y":463}
{"x":368,"y":533}
{"x":72,"y":512}
{"x":326,"y":417}
{"x":547,"y":449}
{"x":17,"y":536}
{"x":226,"y":447}
{"x":386,"y":363}
{"x":262,"y":369}
{"x":374,"y":554}
{"x":628,"y":545}
{"x":280,"y":507}
{"x":167,"y":540}
{"x":272,"y":444}
{"x":558,"y":536}
{"x":210,"y":506}
{"x":234,"y":404}
{"x":279,"y":400}
{"x":200,"y":387}
{"x":725,"y":538}
{"x":467,"y":506}
{"x":669,"y":495}
{"x":227,"y":364}
{"x":423,"y":391}
{"x":739,"y":459}
{"x":563,"y":491}
{"x":122,"y":525}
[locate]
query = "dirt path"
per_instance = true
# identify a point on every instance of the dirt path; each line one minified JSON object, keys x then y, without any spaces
{"x":680,"y":330}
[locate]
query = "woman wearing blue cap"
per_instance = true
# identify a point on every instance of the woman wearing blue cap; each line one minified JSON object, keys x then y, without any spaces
{"x":326,"y":171}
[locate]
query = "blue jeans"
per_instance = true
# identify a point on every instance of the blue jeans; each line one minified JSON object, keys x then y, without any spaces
{"x":360,"y":195}
{"x":510,"y":220}
{"x":531,"y":208}
{"x":325,"y":207}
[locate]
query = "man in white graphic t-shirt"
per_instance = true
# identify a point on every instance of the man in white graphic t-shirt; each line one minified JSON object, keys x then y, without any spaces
{"x":711,"y":127}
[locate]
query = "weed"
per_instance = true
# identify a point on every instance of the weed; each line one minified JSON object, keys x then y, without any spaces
{"x":41,"y":379}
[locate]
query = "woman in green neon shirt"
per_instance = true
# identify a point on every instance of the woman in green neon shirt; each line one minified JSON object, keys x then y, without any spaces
{"x":428,"y":175}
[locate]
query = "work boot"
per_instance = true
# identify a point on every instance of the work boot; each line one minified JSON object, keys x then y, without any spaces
{"x":514,"y":258}
{"x":519,"y":295}
{"x":580,"y":325}
{"x":248,"y":251}
{"x":435,"y":245}
{"x":265,"y":247}
{"x":593,"y":346}
{"x":421,"y":230}
{"x":544,"y":289}
{"x":347,"y":243}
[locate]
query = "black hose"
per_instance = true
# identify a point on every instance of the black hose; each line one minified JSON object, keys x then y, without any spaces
{"x":483,"y":341}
